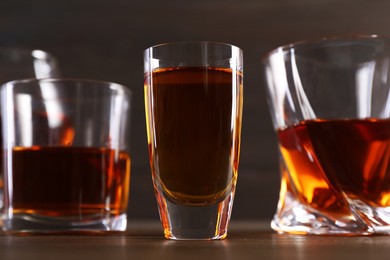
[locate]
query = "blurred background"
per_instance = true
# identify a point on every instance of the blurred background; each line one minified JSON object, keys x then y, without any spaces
{"x":105,"y":40}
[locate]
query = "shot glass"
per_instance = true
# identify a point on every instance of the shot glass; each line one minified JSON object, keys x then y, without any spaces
{"x":193,"y":101}
{"x":66,"y":155}
{"x":330,"y":104}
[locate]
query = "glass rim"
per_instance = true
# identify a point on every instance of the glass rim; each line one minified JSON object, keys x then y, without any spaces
{"x":319,"y":41}
{"x":117,"y":86}
{"x":182,"y":43}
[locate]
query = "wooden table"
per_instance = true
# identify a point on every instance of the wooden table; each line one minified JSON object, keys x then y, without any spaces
{"x":143,"y":240}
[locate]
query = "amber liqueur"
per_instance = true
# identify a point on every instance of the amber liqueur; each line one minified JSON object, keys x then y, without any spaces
{"x":68,"y":181}
{"x":329,"y":160}
{"x":194,"y":144}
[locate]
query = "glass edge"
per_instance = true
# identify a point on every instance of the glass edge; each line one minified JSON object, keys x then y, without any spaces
{"x":237,"y":52}
{"x":289,"y":46}
{"x":192,"y":42}
{"x":126,"y":89}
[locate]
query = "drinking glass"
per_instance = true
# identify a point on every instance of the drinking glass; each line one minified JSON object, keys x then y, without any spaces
{"x":193,"y":101}
{"x":67,"y":163}
{"x":19,"y":63}
{"x":330,"y":105}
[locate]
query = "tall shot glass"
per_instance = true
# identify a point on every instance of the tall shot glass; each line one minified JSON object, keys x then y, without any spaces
{"x":193,"y":102}
{"x":330,"y":104}
{"x":67,"y":163}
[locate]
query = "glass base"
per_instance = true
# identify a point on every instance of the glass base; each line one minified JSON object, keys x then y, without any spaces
{"x":28,"y":223}
{"x":295,"y":218}
{"x":192,"y":222}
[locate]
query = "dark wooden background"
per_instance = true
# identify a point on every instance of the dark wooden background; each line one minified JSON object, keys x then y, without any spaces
{"x":105,"y":39}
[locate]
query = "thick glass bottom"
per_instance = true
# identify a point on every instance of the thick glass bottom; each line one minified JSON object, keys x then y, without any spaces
{"x":195,"y":222}
{"x":294,"y":217}
{"x":29,"y":223}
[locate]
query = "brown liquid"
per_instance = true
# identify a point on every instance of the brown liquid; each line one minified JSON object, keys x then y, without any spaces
{"x":327,"y":158}
{"x":194,"y":124}
{"x":61,"y":135}
{"x":68,"y":181}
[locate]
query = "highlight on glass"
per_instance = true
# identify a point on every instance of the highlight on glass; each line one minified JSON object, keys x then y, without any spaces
{"x":21,"y":63}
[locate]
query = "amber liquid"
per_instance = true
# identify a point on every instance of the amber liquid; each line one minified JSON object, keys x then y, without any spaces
{"x":326,"y":158}
{"x":194,"y":124}
{"x":69,"y":182}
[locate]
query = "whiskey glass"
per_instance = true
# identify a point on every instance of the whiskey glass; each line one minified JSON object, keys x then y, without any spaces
{"x":193,"y":104}
{"x":20,"y":63}
{"x":67,"y":162}
{"x":330,"y":104}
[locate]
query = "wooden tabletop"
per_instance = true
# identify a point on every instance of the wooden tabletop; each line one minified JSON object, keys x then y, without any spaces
{"x":143,"y":240}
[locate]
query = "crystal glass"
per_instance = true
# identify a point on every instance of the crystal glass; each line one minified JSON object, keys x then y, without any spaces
{"x":67,"y":162}
{"x":330,"y":104}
